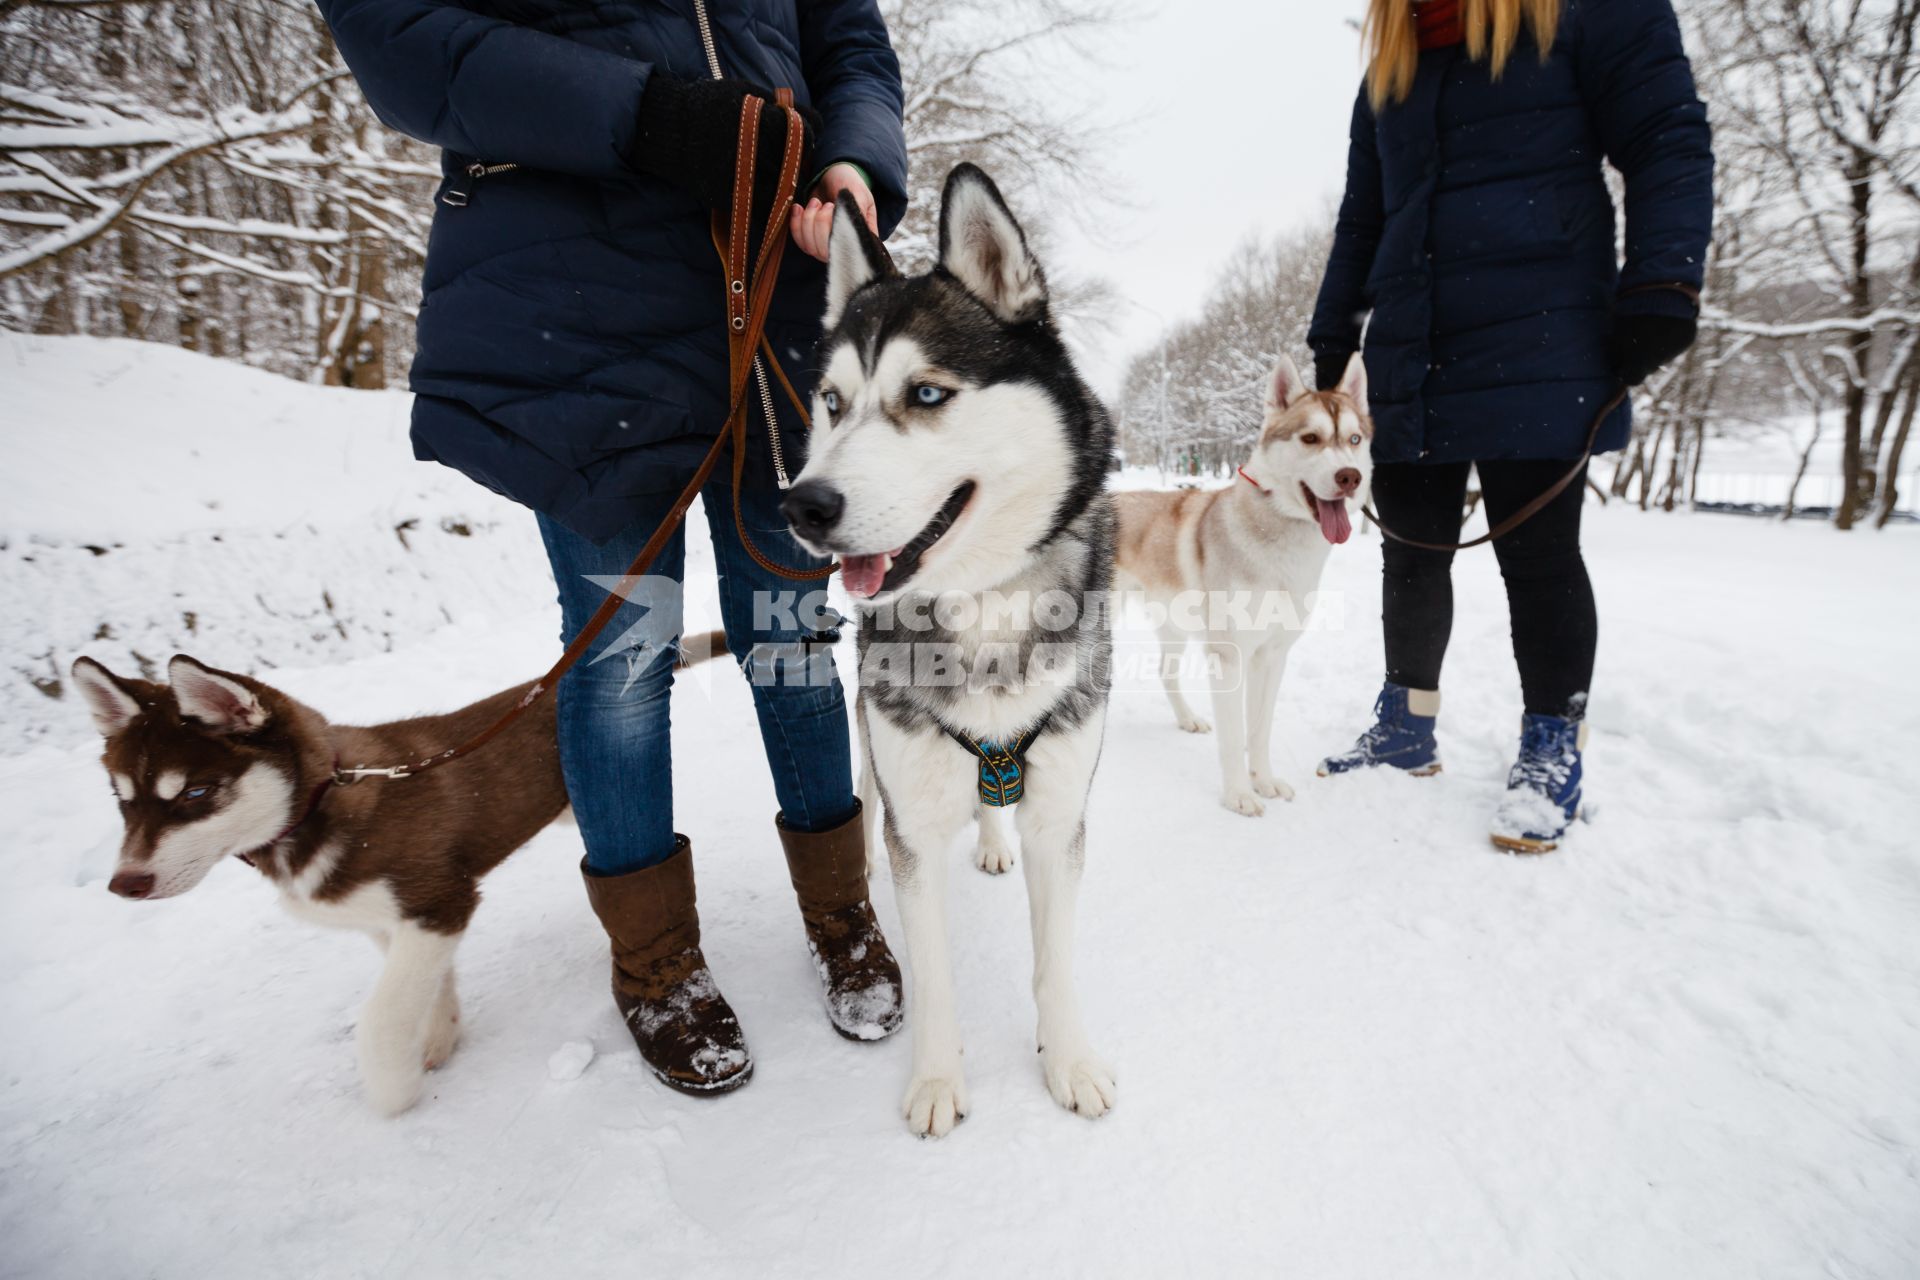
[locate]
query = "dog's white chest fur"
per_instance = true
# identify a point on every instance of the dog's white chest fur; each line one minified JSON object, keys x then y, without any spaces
{"x":369,"y":908}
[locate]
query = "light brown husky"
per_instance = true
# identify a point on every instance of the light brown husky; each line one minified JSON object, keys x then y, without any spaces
{"x":1238,"y":567}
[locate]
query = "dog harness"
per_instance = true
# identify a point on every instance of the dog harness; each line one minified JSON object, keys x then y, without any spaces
{"x":1002,"y":764}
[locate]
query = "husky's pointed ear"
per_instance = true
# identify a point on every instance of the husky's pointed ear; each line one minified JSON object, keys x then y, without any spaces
{"x":983,"y":248}
{"x":112,"y":705}
{"x":1353,"y":383}
{"x":215,"y":699}
{"x":1285,"y":386}
{"x":855,"y":258}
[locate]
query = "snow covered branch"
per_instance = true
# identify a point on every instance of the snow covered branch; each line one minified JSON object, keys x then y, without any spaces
{"x":205,"y":172}
{"x":1873,"y":322}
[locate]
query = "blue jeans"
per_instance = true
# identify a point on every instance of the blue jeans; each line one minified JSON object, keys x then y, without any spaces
{"x":615,"y":749}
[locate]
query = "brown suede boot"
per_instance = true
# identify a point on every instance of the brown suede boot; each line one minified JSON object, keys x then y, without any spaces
{"x":861,"y":977}
{"x":687,"y":1034}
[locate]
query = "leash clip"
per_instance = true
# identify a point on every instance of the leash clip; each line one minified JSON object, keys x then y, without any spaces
{"x":347,"y":777}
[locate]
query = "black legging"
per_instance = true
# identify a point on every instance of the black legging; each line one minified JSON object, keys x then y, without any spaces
{"x":1548,"y":594}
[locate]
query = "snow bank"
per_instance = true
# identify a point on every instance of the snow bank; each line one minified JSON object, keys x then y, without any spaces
{"x":155,"y":501}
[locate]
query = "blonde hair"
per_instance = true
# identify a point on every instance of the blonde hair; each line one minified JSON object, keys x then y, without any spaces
{"x":1491,"y":27}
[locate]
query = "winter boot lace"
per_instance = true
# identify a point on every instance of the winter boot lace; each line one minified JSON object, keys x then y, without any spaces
{"x":1543,"y":787}
{"x":857,"y":971}
{"x":1400,"y":736}
{"x":686,"y":1031}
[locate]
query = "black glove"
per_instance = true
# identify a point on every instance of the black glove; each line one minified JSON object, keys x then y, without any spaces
{"x":1329,"y":369}
{"x":689,"y":134}
{"x":1639,"y":344}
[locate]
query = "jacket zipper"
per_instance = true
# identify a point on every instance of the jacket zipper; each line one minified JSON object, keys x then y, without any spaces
{"x":706,"y":37}
{"x":461,"y":191}
{"x":759,"y":365}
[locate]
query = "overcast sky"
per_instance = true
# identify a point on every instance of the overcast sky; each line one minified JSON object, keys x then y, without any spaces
{"x":1240,"y":111}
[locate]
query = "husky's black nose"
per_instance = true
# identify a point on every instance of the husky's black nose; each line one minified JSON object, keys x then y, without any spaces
{"x":813,"y":508}
{"x":132,"y":884}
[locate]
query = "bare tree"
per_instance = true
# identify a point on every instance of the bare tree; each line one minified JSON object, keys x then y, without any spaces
{"x":1815,"y":112}
{"x":204,"y":173}
{"x":976,"y":73}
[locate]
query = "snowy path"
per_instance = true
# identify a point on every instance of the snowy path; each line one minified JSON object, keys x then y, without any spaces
{"x":1352,"y":1041}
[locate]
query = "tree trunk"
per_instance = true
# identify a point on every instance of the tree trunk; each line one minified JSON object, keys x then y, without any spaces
{"x":1653,"y":460}
{"x":189,"y":287}
{"x":1670,"y":489}
{"x":1806,"y":456}
{"x":132,"y":324}
{"x":1890,"y":487}
{"x":1699,"y":452}
{"x":1856,"y":479}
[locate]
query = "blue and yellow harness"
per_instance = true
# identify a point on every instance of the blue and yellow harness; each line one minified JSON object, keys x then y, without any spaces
{"x":1003,"y":773}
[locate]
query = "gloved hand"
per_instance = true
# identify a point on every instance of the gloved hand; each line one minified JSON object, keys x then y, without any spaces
{"x":1329,"y":369}
{"x":689,"y":133}
{"x":1640,"y":344}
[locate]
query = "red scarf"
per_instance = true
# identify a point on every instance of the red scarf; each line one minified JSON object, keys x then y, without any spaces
{"x":1439,"y":22}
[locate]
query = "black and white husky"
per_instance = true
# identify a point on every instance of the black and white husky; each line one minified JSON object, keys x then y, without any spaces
{"x":957,"y":469}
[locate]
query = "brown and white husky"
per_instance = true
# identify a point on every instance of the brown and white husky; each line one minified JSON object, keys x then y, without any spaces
{"x":213,"y":765}
{"x":1238,"y":567}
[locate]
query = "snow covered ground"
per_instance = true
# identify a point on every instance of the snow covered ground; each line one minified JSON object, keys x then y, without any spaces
{"x":1351,"y":1040}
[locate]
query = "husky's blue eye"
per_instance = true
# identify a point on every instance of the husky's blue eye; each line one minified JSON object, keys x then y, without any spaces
{"x":929,"y":395}
{"x":832,"y":401}
{"x":195,"y":793}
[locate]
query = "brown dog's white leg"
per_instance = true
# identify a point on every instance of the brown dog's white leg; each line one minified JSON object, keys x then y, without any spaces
{"x":393,"y":1030}
{"x":443,"y":1025}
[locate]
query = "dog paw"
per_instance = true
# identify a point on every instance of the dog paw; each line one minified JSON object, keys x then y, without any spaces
{"x":392,"y":1087}
{"x":935,"y":1104}
{"x":1242,"y":801}
{"x":442,"y":1040}
{"x":1271,"y":787}
{"x":1194,"y":724}
{"x":1081,"y":1083}
{"x":993,"y":857}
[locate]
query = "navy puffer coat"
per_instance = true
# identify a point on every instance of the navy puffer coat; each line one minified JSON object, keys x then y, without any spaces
{"x":572,"y":349}
{"x":1478,"y":230}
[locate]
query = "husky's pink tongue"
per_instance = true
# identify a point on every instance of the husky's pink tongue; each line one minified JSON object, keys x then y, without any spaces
{"x":1334,"y":524}
{"x":862,"y":575}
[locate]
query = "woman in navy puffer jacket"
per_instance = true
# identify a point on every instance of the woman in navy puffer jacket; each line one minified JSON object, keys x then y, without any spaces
{"x":572,"y":355}
{"x":1476,"y":243}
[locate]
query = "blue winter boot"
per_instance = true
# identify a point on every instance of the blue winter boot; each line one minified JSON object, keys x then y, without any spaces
{"x":1543,"y":787}
{"x":1401,"y":735}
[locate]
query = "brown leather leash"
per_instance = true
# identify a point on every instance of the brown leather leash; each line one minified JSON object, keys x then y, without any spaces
{"x":1536,"y":505}
{"x":750,"y":278}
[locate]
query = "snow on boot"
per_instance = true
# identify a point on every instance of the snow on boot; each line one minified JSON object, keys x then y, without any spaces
{"x":1401,"y":735}
{"x":1543,"y":787}
{"x":684,"y":1027}
{"x":858,"y":973}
